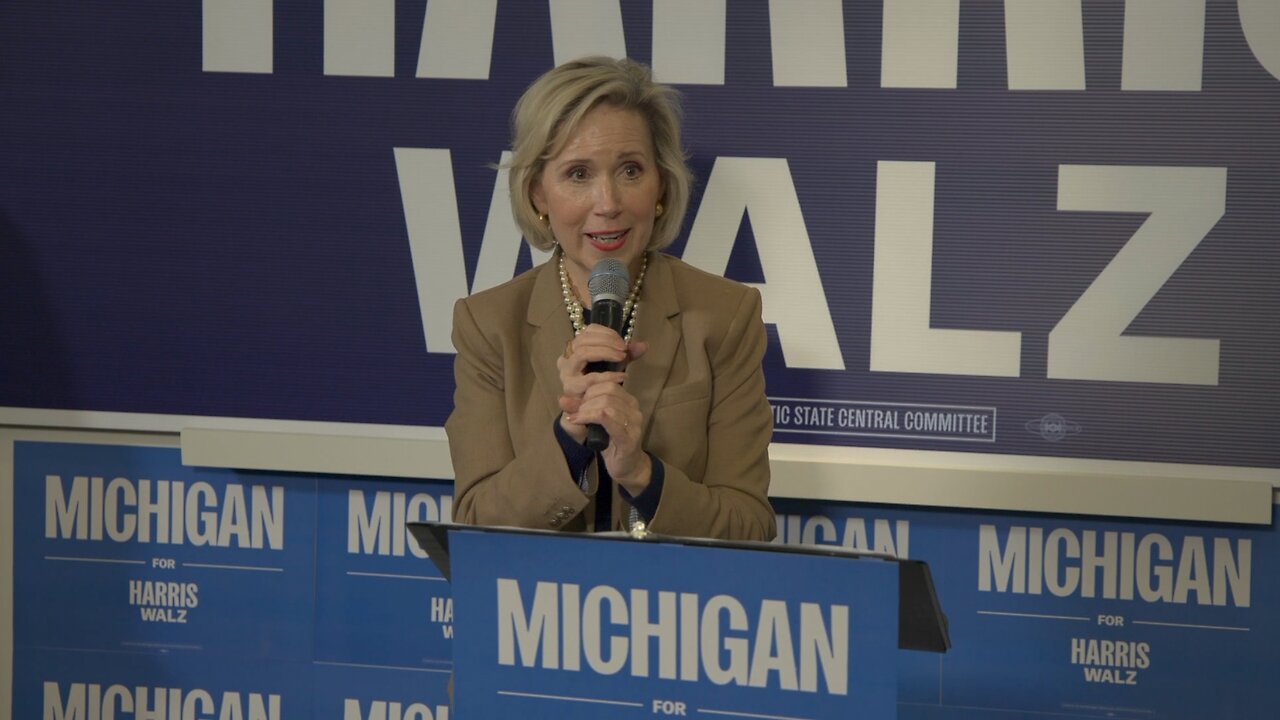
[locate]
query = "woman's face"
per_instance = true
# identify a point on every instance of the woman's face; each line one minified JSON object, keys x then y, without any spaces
{"x":600,"y":192}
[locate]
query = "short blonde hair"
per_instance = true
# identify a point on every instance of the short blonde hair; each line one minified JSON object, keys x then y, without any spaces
{"x":549,"y":112}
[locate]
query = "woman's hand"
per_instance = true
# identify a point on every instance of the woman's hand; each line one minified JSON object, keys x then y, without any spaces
{"x":600,"y":398}
{"x":596,"y":343}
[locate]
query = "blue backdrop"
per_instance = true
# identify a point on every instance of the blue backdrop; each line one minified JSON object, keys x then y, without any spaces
{"x":242,"y":209}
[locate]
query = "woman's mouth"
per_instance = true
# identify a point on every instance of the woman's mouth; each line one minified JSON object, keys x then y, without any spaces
{"x":608,"y":241}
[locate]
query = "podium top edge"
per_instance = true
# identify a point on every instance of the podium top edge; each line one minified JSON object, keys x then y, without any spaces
{"x":756,"y":545}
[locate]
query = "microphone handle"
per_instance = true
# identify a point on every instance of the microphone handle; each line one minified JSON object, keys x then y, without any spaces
{"x":607,"y":313}
{"x":597,"y":438}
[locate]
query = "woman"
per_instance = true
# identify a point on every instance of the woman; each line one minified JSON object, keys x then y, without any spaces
{"x":598,"y":172}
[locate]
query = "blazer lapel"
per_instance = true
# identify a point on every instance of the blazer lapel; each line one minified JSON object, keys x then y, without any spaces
{"x":552,"y":332}
{"x":657,"y":325}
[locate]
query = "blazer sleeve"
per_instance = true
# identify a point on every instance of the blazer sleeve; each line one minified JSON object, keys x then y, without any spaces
{"x":731,"y":499}
{"x":509,"y":469}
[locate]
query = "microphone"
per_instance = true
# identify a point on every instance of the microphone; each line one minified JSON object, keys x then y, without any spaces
{"x":609,"y":284}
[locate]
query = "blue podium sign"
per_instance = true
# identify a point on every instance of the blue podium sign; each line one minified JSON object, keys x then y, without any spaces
{"x":579,"y":627}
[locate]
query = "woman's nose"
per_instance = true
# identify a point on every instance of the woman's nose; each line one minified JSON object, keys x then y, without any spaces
{"x":607,"y":198}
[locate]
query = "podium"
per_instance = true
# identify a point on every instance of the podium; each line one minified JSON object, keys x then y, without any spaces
{"x":588,"y":626}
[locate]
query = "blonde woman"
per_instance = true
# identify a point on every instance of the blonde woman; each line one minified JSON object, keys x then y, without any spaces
{"x":598,"y":171}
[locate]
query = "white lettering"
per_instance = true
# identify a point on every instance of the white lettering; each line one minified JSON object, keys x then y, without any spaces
{"x":688,"y":41}
{"x":586,"y":27}
{"x":1163,"y":40}
{"x":807,"y":39}
{"x":1044,"y":41}
{"x":537,"y":634}
{"x":457,"y":39}
{"x":1184,"y":204}
{"x":593,"y":637}
{"x":716,"y":639}
{"x":901,"y":338}
{"x":435,"y":239}
{"x":359,"y":38}
{"x":237,"y":36}
{"x":885,"y":536}
{"x":393,"y":710}
{"x":824,"y":651}
{"x":663,"y":630}
{"x":1115,"y":565}
{"x":713,"y":648}
{"x":920,"y":43}
{"x":126,"y":510}
{"x":1259,"y":20}
{"x":1163,"y":45}
{"x":773,"y":648}
{"x":380,"y":527}
{"x":92,"y":701}
{"x":792,"y":292}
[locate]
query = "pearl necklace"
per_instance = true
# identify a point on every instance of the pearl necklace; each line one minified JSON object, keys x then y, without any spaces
{"x":629,"y":308}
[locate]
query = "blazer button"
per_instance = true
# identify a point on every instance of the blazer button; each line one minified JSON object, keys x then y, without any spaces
{"x":555,"y":521}
{"x":566,"y":509}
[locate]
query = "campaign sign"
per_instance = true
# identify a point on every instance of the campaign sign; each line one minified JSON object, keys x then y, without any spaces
{"x":77,"y":685}
{"x":577,"y":627}
{"x":1077,"y":616}
{"x":176,"y":559}
{"x":379,"y":693}
{"x":379,"y":600}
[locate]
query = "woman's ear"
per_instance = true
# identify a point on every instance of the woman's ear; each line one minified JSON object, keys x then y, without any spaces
{"x":537,"y":197}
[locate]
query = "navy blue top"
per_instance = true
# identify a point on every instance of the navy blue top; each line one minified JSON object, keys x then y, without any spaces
{"x":579,"y":457}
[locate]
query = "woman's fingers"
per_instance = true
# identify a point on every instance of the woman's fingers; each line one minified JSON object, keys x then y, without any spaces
{"x":612,"y":407}
{"x":578,"y":385}
{"x":595,"y":344}
{"x":600,"y":343}
{"x":636,"y":350}
{"x":585,"y":395}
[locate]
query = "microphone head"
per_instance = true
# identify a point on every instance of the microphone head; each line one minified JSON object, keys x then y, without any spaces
{"x":609,"y":281}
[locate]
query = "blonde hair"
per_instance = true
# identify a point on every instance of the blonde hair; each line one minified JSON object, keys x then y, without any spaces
{"x":548,"y":114}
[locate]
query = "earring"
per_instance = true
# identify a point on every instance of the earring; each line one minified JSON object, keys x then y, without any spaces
{"x":658,"y":210}
{"x":542,"y":218}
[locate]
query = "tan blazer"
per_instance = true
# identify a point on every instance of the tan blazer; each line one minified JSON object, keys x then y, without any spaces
{"x":700,"y":388}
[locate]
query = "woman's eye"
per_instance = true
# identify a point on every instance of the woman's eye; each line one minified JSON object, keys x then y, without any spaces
{"x":578,"y":173}
{"x":631,"y":171}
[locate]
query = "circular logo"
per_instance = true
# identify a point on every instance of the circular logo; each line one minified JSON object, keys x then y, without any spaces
{"x":1053,"y":427}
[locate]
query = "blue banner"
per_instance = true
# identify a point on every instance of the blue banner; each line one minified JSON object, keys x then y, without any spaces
{"x":1019,"y":228}
{"x":142,"y":583}
{"x":376,"y":573}
{"x":67,"y":684}
{"x":177,"y":560}
{"x":1077,"y":617}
